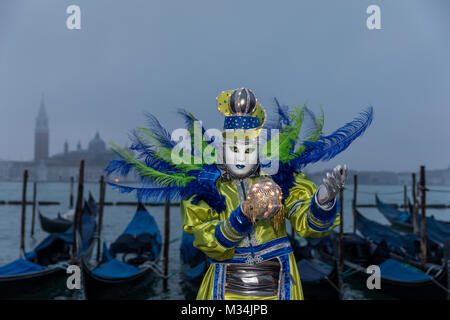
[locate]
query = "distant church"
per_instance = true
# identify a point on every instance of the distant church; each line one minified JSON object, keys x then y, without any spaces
{"x":60,"y":166}
{"x":41,"y":134}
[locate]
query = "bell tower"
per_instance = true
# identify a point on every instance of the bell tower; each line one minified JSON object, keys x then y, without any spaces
{"x":41,"y":134}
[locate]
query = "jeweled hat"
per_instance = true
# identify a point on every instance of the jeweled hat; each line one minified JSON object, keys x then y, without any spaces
{"x":244,"y":116}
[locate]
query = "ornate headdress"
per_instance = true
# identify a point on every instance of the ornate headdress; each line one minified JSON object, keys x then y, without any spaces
{"x":244,"y":115}
{"x":244,"y":119}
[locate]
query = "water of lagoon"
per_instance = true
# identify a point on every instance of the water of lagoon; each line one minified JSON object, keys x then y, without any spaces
{"x":117,"y":217}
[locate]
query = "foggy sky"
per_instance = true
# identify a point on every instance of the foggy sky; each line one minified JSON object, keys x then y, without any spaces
{"x":135,"y":56}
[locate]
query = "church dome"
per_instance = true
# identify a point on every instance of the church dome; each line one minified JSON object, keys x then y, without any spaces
{"x":97,"y":144}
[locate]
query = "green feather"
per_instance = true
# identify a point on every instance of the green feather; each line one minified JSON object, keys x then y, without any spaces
{"x":162,"y":179}
{"x":287,"y":137}
{"x":205,"y":145}
{"x":165,"y":153}
{"x":315,"y":134}
{"x":289,"y":134}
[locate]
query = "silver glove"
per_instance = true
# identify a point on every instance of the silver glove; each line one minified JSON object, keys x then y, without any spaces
{"x":332,"y":185}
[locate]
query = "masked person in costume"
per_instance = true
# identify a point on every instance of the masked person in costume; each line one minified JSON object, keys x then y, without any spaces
{"x":236,"y":211}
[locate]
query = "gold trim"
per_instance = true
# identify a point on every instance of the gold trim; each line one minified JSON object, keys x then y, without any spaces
{"x":317,"y":222}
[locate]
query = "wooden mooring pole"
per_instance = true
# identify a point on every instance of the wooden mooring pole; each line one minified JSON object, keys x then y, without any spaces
{"x":447,"y":264}
{"x":33,"y":214}
{"x":71,"y":193}
{"x":24,"y":210}
{"x":341,"y":244}
{"x":355,"y":193}
{"x":166,"y":241}
{"x":341,"y":233}
{"x":78,"y":209}
{"x":415,"y":205}
{"x":423,"y":220}
{"x":100,"y":214}
{"x":405,"y":197}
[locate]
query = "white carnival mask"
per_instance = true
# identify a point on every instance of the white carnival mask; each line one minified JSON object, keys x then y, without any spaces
{"x":241,"y":158}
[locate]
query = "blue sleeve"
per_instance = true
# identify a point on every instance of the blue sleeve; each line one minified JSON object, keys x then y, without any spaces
{"x":320,"y":219}
{"x":229,"y":233}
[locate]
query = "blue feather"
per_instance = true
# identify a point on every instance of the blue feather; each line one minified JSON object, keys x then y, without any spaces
{"x":161,"y":134}
{"x":189,"y":120}
{"x":325,"y":148}
{"x":281,"y":117}
{"x":285,"y":178}
{"x":204,"y":188}
{"x":120,"y":166}
{"x":310,"y":128}
{"x":283,"y":113}
{"x":201,"y":189}
{"x":309,"y":124}
{"x":310,"y":114}
{"x":188,"y":117}
{"x":146,"y":153}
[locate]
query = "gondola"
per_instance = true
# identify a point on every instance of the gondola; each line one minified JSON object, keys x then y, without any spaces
{"x":194,"y":264}
{"x":404,"y":247}
{"x":319,"y":279}
{"x":397,"y":257}
{"x":403,"y":220}
{"x":63,"y":222}
{"x":56,"y":225}
{"x":130,"y":262}
{"x":398,"y":280}
{"x":40,"y":273}
{"x":438,"y":231}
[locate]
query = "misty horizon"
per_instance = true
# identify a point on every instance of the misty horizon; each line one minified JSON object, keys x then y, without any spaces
{"x":136,"y":57}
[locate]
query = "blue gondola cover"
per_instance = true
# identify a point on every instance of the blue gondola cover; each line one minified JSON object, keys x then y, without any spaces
{"x":20,"y":266}
{"x":393,"y":270}
{"x":142,"y":224}
{"x":106,"y":254}
{"x":312,"y":272}
{"x":393,"y":213}
{"x":437,"y":230}
{"x":187,"y":249}
{"x":196,"y":271}
{"x":141,"y":233}
{"x":378,"y":232}
{"x":115,"y":269}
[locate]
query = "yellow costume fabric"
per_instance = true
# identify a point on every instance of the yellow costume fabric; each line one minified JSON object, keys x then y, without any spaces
{"x":200,"y":220}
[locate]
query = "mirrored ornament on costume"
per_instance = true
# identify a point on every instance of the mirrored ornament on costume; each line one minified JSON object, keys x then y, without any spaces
{"x":242,"y":102}
{"x":264,"y":201}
